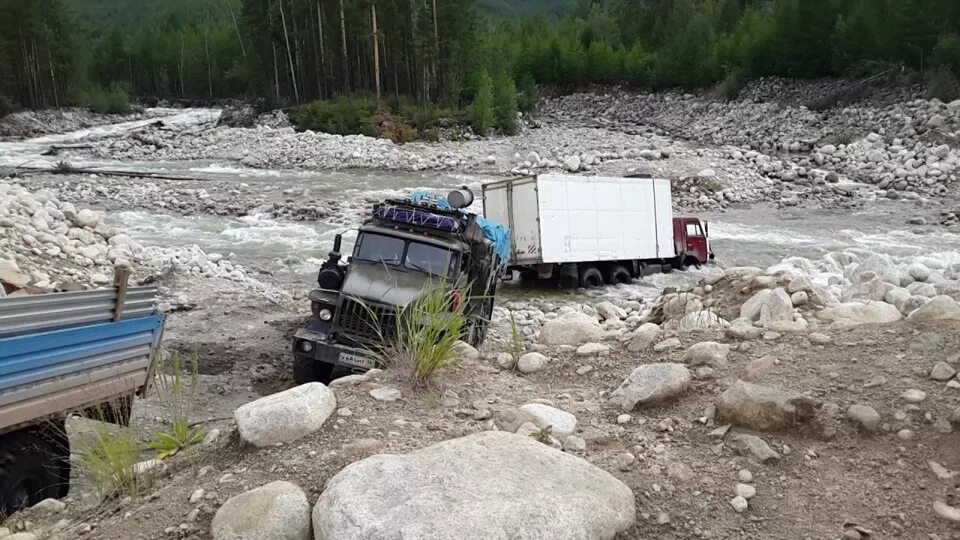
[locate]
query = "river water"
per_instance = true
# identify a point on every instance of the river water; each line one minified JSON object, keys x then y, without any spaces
{"x":816,"y":243}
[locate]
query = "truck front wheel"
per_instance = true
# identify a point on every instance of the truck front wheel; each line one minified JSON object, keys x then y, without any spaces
{"x":307,"y":370}
{"x":34,"y":465}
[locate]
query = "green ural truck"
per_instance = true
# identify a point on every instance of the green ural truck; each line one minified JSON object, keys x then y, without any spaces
{"x":402,"y":248}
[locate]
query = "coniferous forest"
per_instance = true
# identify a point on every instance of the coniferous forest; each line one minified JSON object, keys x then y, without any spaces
{"x":449,"y":53}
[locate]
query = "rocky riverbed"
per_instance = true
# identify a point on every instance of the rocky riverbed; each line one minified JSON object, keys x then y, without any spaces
{"x":811,"y":372}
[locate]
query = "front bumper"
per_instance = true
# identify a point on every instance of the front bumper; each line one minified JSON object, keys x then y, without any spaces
{"x":308,"y":344}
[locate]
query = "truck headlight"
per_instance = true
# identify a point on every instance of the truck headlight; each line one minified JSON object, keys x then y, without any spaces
{"x":306,"y":346}
{"x":325,"y":314}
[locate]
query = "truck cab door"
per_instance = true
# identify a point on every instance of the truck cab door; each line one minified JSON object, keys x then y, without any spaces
{"x":696,"y":240}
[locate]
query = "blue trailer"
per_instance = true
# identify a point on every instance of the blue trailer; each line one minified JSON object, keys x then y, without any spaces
{"x":61,"y":354}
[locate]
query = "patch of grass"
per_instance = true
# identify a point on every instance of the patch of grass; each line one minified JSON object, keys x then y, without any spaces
{"x":176,"y":393}
{"x":943,"y":85}
{"x":427,"y":330}
{"x":543,"y":435}
{"x":63,"y":167}
{"x":108,"y":455}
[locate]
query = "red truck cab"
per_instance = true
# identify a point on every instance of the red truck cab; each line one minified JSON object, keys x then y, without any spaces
{"x":690,"y":238}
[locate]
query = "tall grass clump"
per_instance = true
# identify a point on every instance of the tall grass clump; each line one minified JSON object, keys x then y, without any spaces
{"x":109,"y":454}
{"x":427,"y":330}
{"x":516,"y":340}
{"x":176,"y":392}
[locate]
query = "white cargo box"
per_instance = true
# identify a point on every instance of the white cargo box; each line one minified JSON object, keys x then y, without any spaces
{"x":565,"y":218}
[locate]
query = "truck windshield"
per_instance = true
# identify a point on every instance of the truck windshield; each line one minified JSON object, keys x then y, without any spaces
{"x":391,"y":250}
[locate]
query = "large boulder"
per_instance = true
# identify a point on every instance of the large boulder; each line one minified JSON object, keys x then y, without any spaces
{"x":487,"y":486}
{"x":573,"y":328}
{"x":650,"y":384}
{"x":768,"y":305}
{"x":277,"y":511}
{"x":855,"y":313}
{"x":938,"y":308}
{"x":608,"y":311}
{"x":285,"y":416}
{"x":707,"y":353}
{"x":561,"y":423}
{"x":681,"y":304}
{"x":881,"y":266}
{"x":763,"y":407}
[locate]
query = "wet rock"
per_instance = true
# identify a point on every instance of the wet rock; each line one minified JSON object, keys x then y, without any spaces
{"x":854,"y":314}
{"x":864,"y":417}
{"x":561,"y":423}
{"x":707,"y":353}
{"x":763,"y":407}
{"x":756,"y":447}
{"x":285,"y":416}
{"x":531,"y":362}
{"x":942,"y":371}
{"x":415,"y":495}
{"x":938,"y":308}
{"x":573,"y":328}
{"x":276,"y":511}
{"x":651,"y":384}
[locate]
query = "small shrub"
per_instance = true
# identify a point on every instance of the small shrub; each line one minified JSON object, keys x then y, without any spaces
{"x":427,"y":331}
{"x":112,"y":100}
{"x":481,"y":110}
{"x":729,"y":88}
{"x":943,"y":85}
{"x":342,"y":116}
{"x":516,"y":340}
{"x":108,"y":455}
{"x":528,"y":94}
{"x":543,"y":435}
{"x":388,"y":126}
{"x":176,"y":394}
{"x":63,"y":167}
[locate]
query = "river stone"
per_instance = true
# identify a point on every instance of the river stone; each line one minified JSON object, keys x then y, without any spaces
{"x":531,"y":362}
{"x":561,"y":422}
{"x":864,"y":417}
{"x":608,"y":311}
{"x":681,"y":304}
{"x":592,"y":349}
{"x":464,"y":351}
{"x":768,"y":305}
{"x":743,"y":330}
{"x":942,"y":371}
{"x":755,"y":446}
{"x":285,"y":416}
{"x":764,"y":408}
{"x":855,"y":313}
{"x":650,"y":384}
{"x":709,"y":353}
{"x":573,"y":328}
{"x":87,"y":218}
{"x":643,"y":337}
{"x":938,"y":308}
{"x":487,"y":486}
{"x":276,"y":511}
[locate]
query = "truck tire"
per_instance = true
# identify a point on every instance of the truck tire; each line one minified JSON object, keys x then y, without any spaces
{"x":617,"y":274}
{"x":34,"y":465}
{"x":590,"y":276}
{"x":480,"y":324}
{"x":307,"y":370}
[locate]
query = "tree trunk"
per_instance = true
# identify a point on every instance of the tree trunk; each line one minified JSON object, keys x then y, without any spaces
{"x":206,"y":48}
{"x":346,"y":57}
{"x":322,"y":72}
{"x":286,"y":38}
{"x":376,"y":48}
{"x":53,"y":74}
{"x":273,"y":47}
{"x":436,"y":48}
{"x":236,"y":27}
{"x":182,"y":93}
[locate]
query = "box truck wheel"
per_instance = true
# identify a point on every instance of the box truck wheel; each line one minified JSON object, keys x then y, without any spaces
{"x":617,"y":274}
{"x":590,"y":277}
{"x":34,"y":465}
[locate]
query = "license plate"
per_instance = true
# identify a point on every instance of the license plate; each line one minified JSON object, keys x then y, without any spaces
{"x":357,"y":360}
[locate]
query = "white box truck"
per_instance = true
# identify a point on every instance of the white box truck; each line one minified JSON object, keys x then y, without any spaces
{"x":592,"y":230}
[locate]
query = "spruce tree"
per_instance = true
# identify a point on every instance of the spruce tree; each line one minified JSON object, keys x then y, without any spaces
{"x":505,"y":104}
{"x":481,"y":110}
